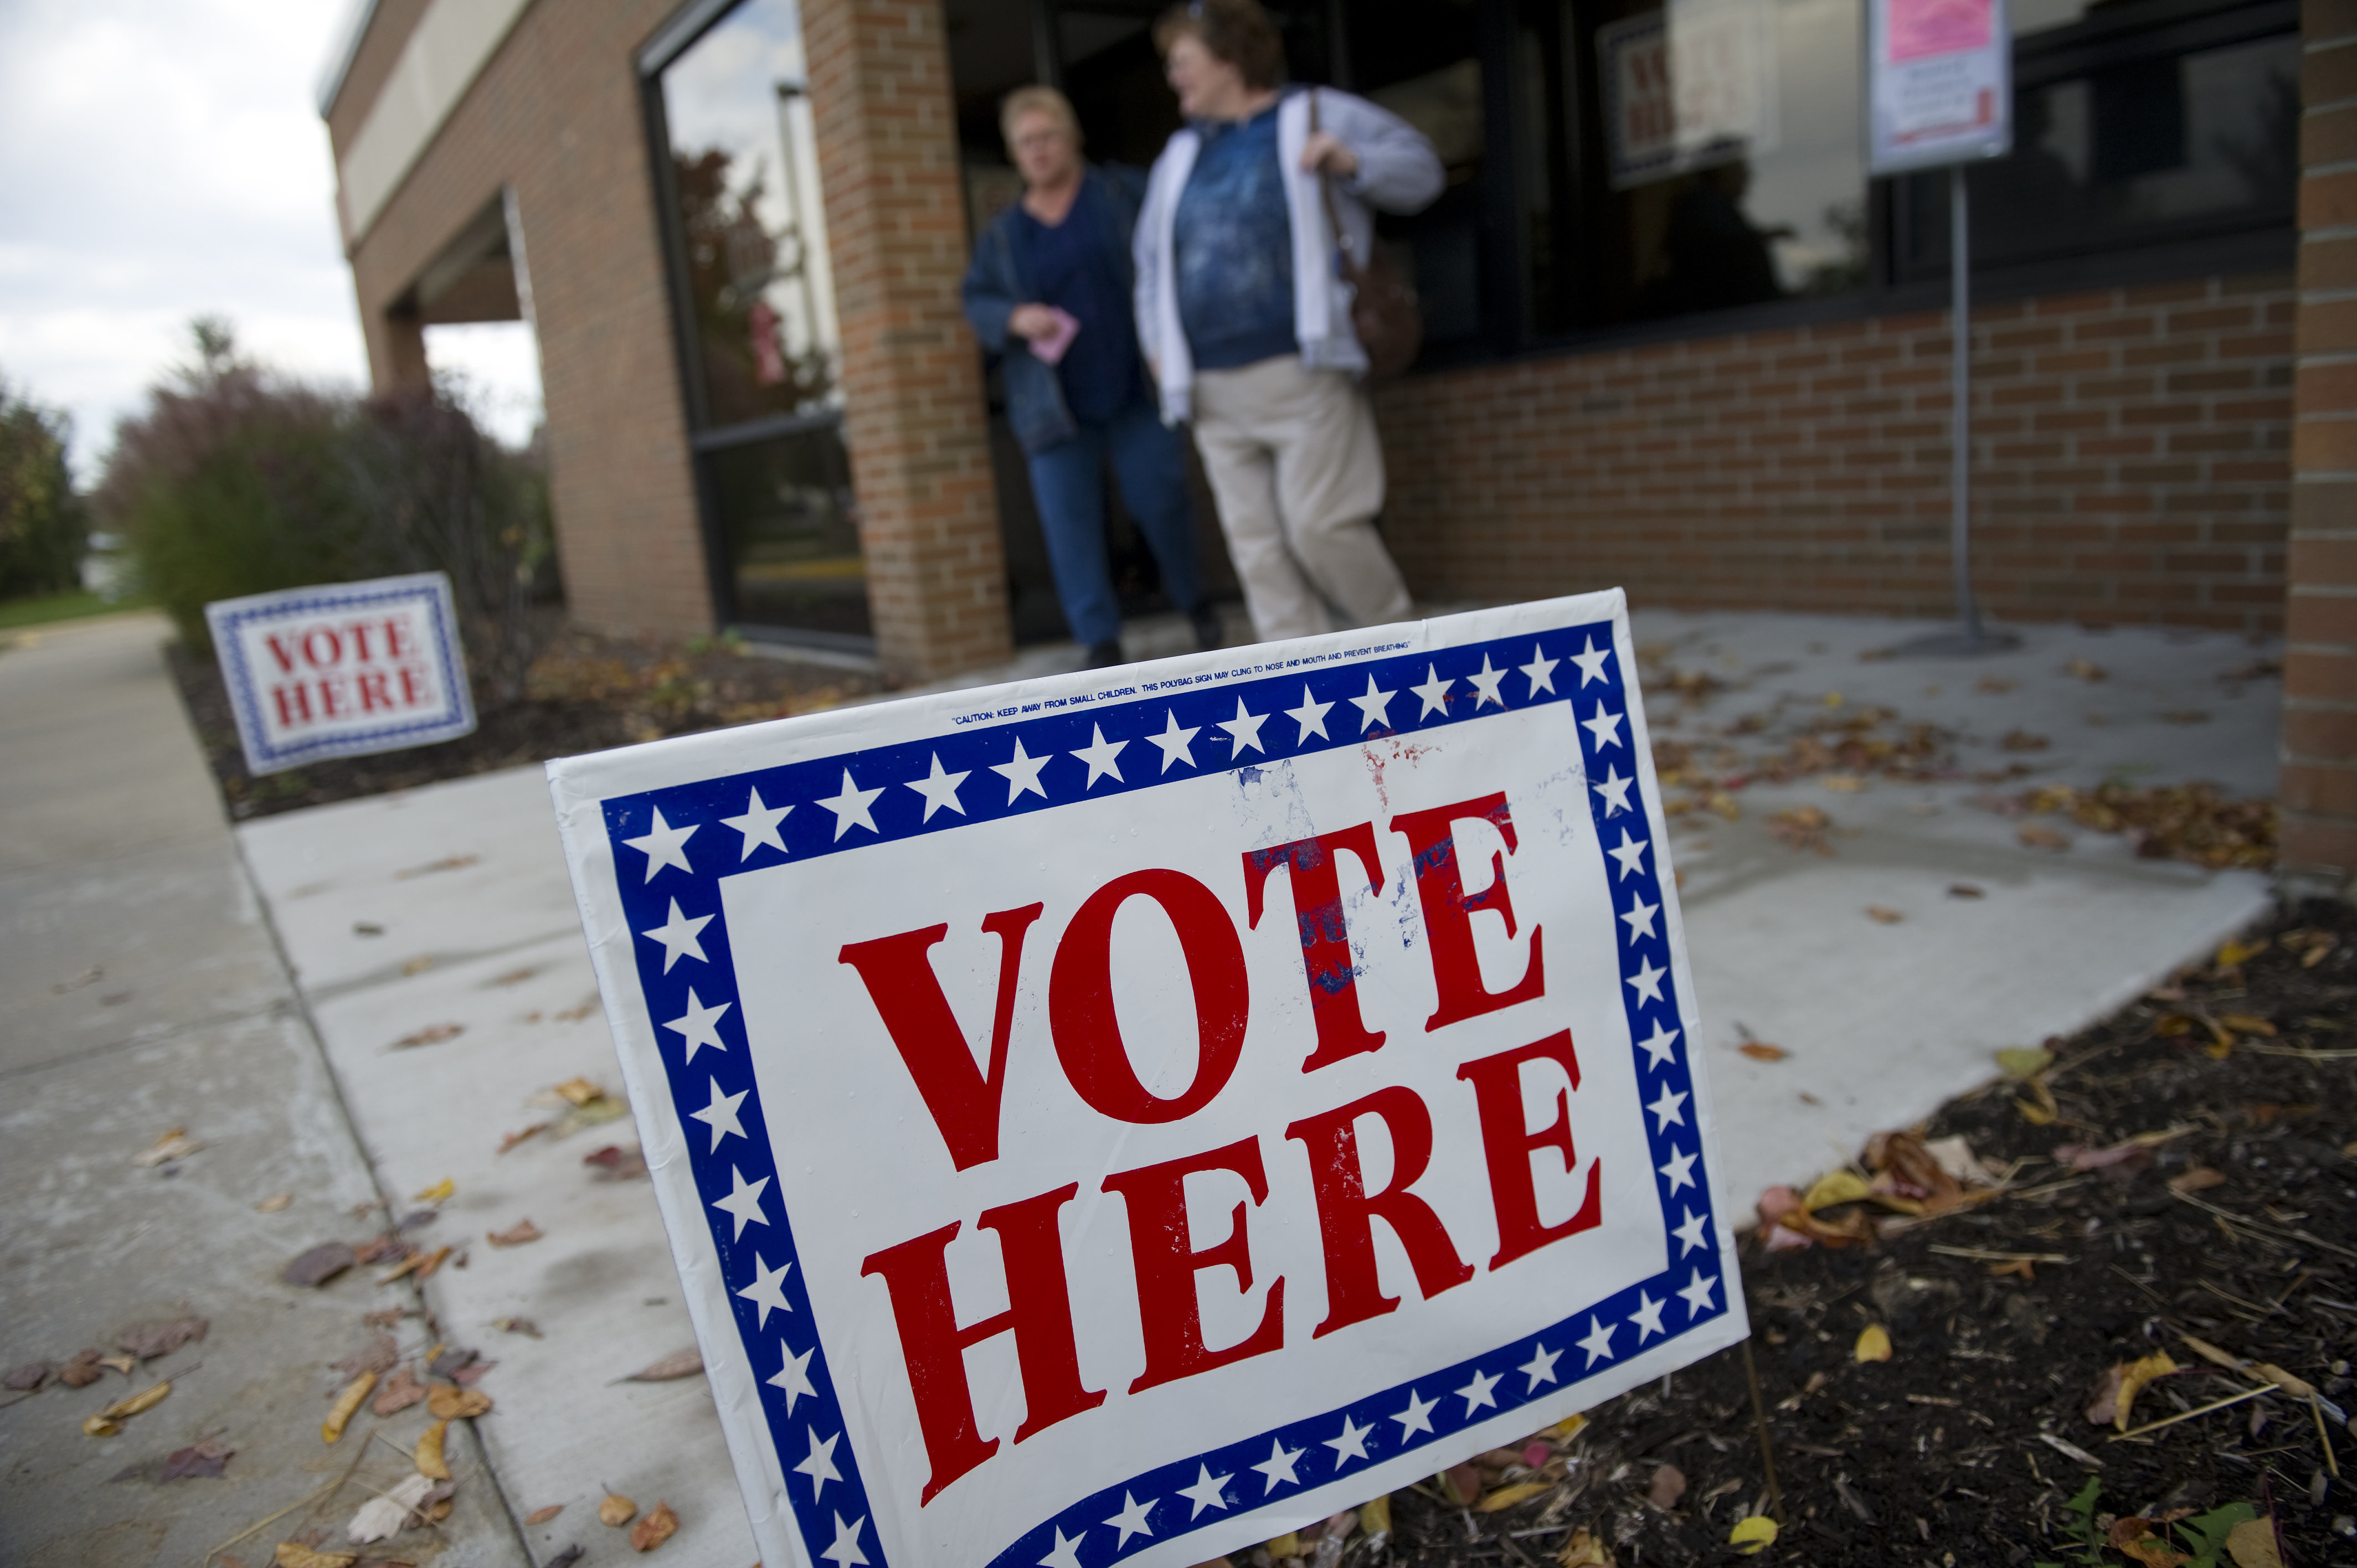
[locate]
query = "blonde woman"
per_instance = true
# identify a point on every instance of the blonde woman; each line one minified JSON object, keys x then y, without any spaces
{"x":1049,"y":290}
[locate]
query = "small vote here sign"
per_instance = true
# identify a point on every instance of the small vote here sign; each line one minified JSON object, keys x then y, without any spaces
{"x":1120,"y":1118}
{"x":343,"y":669}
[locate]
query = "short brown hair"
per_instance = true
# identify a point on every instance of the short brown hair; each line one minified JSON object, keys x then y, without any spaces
{"x":1038,"y":100}
{"x":1237,"y":32}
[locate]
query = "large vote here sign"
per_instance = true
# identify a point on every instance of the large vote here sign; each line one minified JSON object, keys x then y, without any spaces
{"x":342,"y":669}
{"x":1120,"y":1118}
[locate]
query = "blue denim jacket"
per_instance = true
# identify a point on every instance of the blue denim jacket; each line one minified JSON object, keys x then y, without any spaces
{"x":997,"y":283}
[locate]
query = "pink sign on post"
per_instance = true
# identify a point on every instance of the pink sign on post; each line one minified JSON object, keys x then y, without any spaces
{"x":1921,"y":27}
{"x":1939,"y":86}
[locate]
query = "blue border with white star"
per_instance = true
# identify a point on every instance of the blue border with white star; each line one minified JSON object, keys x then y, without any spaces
{"x":1054,"y":752}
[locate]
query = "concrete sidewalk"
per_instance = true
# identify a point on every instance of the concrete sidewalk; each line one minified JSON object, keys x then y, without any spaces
{"x":433,"y":941}
{"x":144,"y":994}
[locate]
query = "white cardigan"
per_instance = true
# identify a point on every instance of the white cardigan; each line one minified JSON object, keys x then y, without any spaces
{"x":1398,"y":171}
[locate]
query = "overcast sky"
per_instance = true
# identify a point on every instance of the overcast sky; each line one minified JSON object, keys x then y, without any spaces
{"x":160,"y":159}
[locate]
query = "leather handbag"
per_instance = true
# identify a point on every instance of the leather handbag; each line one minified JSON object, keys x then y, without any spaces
{"x":1385,"y":314}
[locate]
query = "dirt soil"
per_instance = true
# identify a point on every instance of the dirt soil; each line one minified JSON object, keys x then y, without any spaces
{"x":587,"y":692}
{"x":2234,"y":1221}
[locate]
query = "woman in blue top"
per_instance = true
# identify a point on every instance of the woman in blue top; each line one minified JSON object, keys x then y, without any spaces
{"x":1049,"y":289}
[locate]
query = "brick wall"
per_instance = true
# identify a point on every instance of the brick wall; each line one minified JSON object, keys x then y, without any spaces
{"x":2130,"y":452}
{"x":2320,"y":744}
{"x":556,"y":114}
{"x":915,"y":419}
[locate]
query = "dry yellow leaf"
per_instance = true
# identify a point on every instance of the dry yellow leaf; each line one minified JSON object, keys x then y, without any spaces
{"x":2247,"y":1024}
{"x":579,"y":1091}
{"x":448,"y":1401}
{"x":1569,"y":1427}
{"x":2252,"y":1544}
{"x":1585,"y":1550}
{"x":542,"y":1516}
{"x":273,"y":1203}
{"x":2036,"y":1115}
{"x":1507,"y":1496}
{"x":429,"y":1452}
{"x":108,"y":1421}
{"x":2232,"y":955}
{"x":1375,"y":1517}
{"x":2134,"y":1376}
{"x":346,"y":1403}
{"x":1762,"y":1051}
{"x":438,"y":1192}
{"x":291,"y":1554}
{"x":1753,"y":1535}
{"x":1843,"y":783}
{"x":1884,"y":915}
{"x":1285,"y":1545}
{"x":617,"y":1510}
{"x":2024,"y":1061}
{"x":1873,"y":1344}
{"x":654,"y":1530}
{"x":1832,"y":699}
{"x":1835,"y":1187}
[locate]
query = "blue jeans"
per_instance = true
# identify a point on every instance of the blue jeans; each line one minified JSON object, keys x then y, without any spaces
{"x":1068,"y":486}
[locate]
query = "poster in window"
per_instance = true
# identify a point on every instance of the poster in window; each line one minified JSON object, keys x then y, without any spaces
{"x":1688,"y":87}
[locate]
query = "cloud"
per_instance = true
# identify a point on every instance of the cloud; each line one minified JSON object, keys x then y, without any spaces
{"x":160,"y":160}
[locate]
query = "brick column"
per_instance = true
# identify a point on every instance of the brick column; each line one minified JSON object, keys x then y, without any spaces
{"x":916,"y":424}
{"x":2320,"y":744}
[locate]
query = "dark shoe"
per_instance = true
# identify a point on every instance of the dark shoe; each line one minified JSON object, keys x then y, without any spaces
{"x":1209,"y":632}
{"x":1102,"y":655}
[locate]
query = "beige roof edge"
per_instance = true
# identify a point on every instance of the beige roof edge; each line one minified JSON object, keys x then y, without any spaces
{"x":358,"y":15}
{"x":452,"y":42}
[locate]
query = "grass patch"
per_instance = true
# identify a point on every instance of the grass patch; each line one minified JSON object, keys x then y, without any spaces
{"x":50,"y":608}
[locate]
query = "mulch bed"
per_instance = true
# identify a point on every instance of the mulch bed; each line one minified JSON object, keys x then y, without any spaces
{"x":587,"y":692}
{"x":1940,"y":1456}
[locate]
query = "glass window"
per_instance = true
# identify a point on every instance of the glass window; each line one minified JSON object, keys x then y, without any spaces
{"x":2163,"y":135}
{"x":1420,"y":60}
{"x":758,"y":313}
{"x":1696,"y":156}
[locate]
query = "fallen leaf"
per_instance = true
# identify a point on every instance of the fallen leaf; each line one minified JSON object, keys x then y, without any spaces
{"x":273,"y":1203}
{"x":1843,"y":783}
{"x":2087,"y":671}
{"x":320,"y":1264}
{"x":1762,"y":1051}
{"x":428,"y":1453}
{"x":1953,"y":1155}
{"x":2022,"y":740}
{"x":2024,"y":1061}
{"x":400,"y":1391}
{"x":2200,"y":1178}
{"x":1462,"y":1483}
{"x":2129,"y":1155}
{"x":2134,"y":1375}
{"x":1375,"y":1517}
{"x":419,"y":964}
{"x":2252,"y":1544}
{"x":1585,"y":1550}
{"x":379,"y":1517}
{"x":1569,"y":1427}
{"x":347,"y":1403}
{"x":615,"y":1163}
{"x":678,"y":1364}
{"x":1668,"y":1486}
{"x":580,"y":1090}
{"x":432,"y":1034}
{"x":174,"y":1144}
{"x":511,"y":1140}
{"x":2244,"y":1023}
{"x":448,"y":1361}
{"x":199,"y":1461}
{"x":1835,"y":1187}
{"x":654,"y":1530}
{"x":81,"y":1370}
{"x":438,"y":1193}
{"x":2234,"y":954}
{"x":564,"y":1559}
{"x":523,"y":1325}
{"x":1752,"y":1535}
{"x":451,"y":1404}
{"x":1873,"y":1344}
{"x":367,"y":929}
{"x":379,"y":1249}
{"x":380,"y":1354}
{"x":293,"y":1555}
{"x":1882,"y":914}
{"x":2035,"y":836}
{"x":108,"y":1421}
{"x":1505,"y":1498}
{"x":126,"y":1365}
{"x":447,"y":863}
{"x":515,"y":1235}
{"x":1964,"y":890}
{"x":87,"y":977}
{"x":2135,"y":1539}
{"x":31,"y":1375}
{"x":472,"y":1372}
{"x":542,"y":1516}
{"x":617,"y":1510}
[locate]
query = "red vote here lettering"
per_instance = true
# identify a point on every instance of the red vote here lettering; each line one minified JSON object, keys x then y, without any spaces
{"x":1166,"y":1262}
{"x":1448,"y":909}
{"x":1507,"y":1144}
{"x":1342,"y":1032}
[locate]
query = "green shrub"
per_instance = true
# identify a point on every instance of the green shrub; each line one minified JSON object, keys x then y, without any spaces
{"x":42,"y":533}
{"x":236,"y":481}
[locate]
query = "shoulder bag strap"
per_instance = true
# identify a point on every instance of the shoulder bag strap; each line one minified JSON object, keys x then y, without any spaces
{"x":1326,"y":192}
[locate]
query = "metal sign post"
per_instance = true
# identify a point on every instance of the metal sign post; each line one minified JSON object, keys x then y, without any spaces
{"x":1939,"y":91}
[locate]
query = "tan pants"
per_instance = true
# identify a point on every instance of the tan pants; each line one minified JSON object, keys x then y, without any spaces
{"x":1298,"y":470}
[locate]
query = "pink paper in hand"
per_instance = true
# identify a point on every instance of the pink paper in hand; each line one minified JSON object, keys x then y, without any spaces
{"x":1047,"y":350}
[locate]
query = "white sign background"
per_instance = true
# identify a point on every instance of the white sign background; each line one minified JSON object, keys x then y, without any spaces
{"x":343,"y":670}
{"x":1688,"y":87}
{"x":807,"y":1148}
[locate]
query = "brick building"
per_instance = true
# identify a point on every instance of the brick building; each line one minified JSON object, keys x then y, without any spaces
{"x":1676,"y":338}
